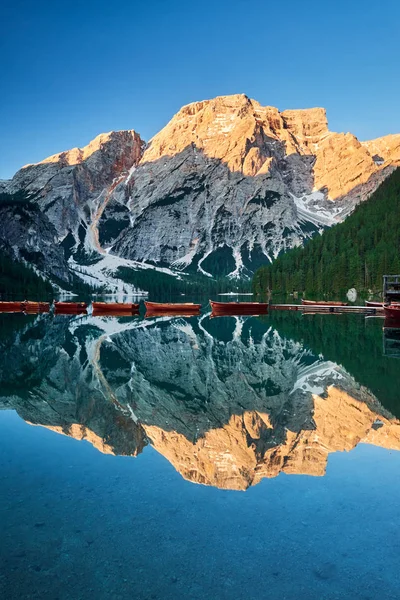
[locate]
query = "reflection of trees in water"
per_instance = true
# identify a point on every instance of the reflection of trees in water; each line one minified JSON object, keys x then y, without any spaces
{"x":351,"y":341}
{"x":391,"y":339}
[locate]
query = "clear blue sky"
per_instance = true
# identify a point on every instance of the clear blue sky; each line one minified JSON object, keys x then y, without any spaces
{"x":71,"y":70}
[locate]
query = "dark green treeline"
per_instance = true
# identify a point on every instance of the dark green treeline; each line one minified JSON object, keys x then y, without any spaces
{"x":341,"y":339}
{"x":19,"y":281}
{"x":355,"y":253}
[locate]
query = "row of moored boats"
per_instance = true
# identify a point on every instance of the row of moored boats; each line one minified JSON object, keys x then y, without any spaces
{"x":126,"y":309}
{"x":391,"y":311}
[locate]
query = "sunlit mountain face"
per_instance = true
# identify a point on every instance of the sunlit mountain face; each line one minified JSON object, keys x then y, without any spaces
{"x":227,"y":401}
{"x":225,"y":187}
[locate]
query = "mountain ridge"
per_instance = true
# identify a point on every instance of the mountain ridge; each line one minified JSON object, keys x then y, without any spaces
{"x":225,"y":186}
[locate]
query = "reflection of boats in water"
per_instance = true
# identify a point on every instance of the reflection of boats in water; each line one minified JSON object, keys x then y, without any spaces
{"x":98,"y":312}
{"x":11,"y":306}
{"x":393,"y":312}
{"x":172,"y":313}
{"x":67,"y":308}
{"x":116,"y":309}
{"x":323,"y":303}
{"x":391,"y":337}
{"x":36,"y":307}
{"x":238,"y":308}
{"x":25,"y":306}
{"x":172,"y":308}
{"x":311,"y":311}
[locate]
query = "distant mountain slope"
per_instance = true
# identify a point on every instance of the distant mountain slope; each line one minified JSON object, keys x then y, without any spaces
{"x":355,"y":253}
{"x":227,"y":185}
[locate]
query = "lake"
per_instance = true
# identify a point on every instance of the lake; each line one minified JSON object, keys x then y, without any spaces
{"x":232,"y":457}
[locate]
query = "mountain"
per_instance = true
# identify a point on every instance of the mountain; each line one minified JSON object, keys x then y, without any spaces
{"x":354,"y":254}
{"x":27,"y":235}
{"x":227,"y":185}
{"x":227,"y":403}
{"x":69,"y":191}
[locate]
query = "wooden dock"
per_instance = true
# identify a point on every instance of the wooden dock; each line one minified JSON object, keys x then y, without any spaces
{"x":326,"y":308}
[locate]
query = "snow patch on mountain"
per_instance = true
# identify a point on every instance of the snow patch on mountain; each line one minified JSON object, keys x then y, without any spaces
{"x":103,"y":274}
{"x":313,"y":379}
{"x":314,"y":208}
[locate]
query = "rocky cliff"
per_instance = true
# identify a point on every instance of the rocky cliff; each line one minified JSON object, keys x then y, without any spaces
{"x":226,"y":404}
{"x":71,"y":190}
{"x":27,"y":235}
{"x":72,"y":187}
{"x":226,"y":185}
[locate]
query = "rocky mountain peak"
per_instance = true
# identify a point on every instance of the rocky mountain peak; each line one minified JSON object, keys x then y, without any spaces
{"x":385,"y":149}
{"x":220,"y":128}
{"x":113,"y":142}
{"x":308,"y":126}
{"x":226,"y":185}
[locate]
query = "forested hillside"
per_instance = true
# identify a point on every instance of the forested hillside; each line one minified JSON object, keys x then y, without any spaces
{"x":19,"y":281}
{"x":165,"y":285}
{"x":355,"y":253}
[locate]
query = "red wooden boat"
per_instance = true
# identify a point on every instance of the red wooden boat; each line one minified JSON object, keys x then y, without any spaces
{"x":379,"y":304}
{"x":11,"y":306}
{"x":392,"y":312}
{"x":35,"y":307}
{"x":322,"y":303}
{"x":115,"y":307}
{"x":239,"y":308}
{"x":70,"y":307}
{"x":171,"y":308}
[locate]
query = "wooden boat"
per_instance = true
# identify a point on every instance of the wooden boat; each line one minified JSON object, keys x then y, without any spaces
{"x":70,"y":307}
{"x":380,"y":304}
{"x":115,"y":307}
{"x":239,"y":308}
{"x":35,"y":307}
{"x":392,"y":312}
{"x":171,"y":308}
{"x":322,"y":303}
{"x":11,"y":306}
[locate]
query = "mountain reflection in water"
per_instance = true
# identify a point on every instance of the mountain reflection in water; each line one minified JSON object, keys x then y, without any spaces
{"x":227,"y":401}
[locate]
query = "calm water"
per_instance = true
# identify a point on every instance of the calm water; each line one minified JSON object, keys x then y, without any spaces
{"x":196,"y":458}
